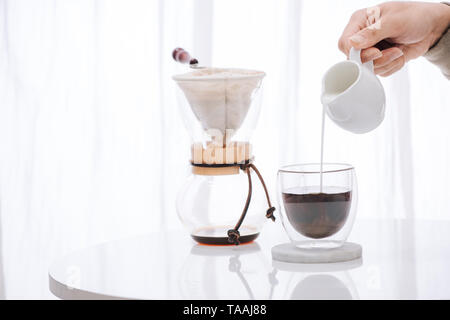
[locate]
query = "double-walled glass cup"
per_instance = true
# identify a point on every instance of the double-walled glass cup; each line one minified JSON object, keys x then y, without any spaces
{"x":318,"y":207}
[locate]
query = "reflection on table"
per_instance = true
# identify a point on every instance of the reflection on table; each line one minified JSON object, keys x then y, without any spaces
{"x":398,"y":257}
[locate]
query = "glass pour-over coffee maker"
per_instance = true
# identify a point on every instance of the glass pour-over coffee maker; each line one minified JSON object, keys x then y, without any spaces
{"x":220,"y":204}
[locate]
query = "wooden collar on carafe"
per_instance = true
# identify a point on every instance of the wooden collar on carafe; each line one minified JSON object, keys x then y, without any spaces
{"x":217,"y":160}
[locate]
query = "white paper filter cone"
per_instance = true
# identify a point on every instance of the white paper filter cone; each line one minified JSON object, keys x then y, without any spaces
{"x":220,"y":98}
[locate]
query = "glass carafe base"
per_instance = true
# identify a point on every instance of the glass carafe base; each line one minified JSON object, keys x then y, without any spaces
{"x":217,"y":236}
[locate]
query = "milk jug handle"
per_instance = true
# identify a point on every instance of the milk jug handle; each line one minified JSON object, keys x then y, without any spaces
{"x":355,"y":55}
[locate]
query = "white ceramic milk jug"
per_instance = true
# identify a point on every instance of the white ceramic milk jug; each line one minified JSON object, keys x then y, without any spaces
{"x":353,"y":96}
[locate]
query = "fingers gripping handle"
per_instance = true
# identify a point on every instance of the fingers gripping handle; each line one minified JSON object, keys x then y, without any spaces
{"x":355,"y":55}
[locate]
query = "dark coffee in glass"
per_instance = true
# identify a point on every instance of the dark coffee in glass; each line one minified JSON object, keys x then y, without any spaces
{"x":317,"y":215}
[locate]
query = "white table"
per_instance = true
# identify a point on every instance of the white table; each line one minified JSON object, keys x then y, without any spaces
{"x":401,"y":260}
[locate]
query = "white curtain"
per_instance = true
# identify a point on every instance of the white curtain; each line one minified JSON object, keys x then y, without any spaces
{"x":92,"y":147}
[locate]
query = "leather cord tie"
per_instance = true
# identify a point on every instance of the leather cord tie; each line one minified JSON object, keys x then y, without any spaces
{"x":233,"y":234}
{"x":233,"y":237}
{"x":270,"y":215}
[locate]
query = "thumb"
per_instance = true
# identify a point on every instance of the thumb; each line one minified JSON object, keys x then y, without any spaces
{"x":370,"y":36}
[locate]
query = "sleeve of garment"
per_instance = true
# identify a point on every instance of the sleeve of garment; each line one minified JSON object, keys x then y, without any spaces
{"x":439,"y":55}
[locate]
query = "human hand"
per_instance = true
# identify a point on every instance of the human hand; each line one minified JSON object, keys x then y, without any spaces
{"x":393,"y":33}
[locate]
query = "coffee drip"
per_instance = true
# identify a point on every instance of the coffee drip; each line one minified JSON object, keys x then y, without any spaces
{"x":221,"y":107}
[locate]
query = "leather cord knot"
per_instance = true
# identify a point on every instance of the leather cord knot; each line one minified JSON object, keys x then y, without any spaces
{"x":270,"y":215}
{"x":244,"y":166}
{"x":233,"y":237}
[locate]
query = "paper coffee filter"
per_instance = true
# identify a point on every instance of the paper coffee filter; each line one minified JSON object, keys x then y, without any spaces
{"x":220,"y":98}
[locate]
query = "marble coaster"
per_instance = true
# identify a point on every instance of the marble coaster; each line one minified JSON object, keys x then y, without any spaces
{"x":287,"y":252}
